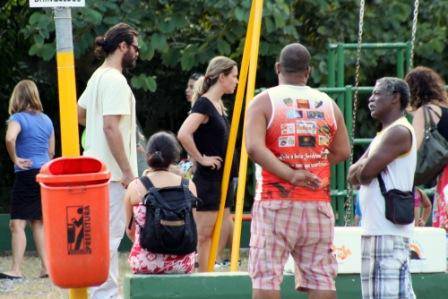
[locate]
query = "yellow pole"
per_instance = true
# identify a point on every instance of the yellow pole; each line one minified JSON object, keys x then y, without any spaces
{"x":232,"y":141}
{"x":77,"y":293}
{"x":67,"y":97}
{"x":67,"y":104}
{"x":255,"y":42}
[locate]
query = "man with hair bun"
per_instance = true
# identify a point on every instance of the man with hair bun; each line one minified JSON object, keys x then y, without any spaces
{"x":107,"y":109}
{"x":295,"y":133}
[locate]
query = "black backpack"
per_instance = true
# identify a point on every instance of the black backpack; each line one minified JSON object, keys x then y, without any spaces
{"x":169,"y":226}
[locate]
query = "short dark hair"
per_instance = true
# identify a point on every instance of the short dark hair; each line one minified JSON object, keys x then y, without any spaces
{"x":162,"y":150}
{"x":396,"y":85}
{"x":107,"y":44}
{"x":294,"y":58}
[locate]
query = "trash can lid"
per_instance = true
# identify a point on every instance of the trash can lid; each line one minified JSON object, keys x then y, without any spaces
{"x":73,"y":170}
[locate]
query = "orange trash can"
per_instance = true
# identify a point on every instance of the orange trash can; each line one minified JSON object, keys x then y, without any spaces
{"x":75,"y":211}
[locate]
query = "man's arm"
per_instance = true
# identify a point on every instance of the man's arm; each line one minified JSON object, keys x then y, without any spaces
{"x":396,"y":142}
{"x":353,"y":172}
{"x":81,"y":116}
{"x":116,"y":146}
{"x":340,"y":147}
{"x":257,"y":117}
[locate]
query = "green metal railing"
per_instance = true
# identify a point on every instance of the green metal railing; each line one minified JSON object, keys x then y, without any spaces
{"x":343,"y":95}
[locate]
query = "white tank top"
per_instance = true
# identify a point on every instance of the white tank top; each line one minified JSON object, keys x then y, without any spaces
{"x":399,"y":174}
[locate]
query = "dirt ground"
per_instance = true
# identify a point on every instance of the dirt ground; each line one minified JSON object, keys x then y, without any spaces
{"x":32,"y":287}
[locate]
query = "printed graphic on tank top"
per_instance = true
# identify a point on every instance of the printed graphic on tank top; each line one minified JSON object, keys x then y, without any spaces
{"x":299,"y":133}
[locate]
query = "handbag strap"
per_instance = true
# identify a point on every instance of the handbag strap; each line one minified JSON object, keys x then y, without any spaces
{"x":429,"y":120}
{"x":382,"y":186}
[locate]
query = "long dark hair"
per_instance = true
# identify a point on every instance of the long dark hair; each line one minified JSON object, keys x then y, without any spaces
{"x":426,"y":85}
{"x":162,"y":150}
{"x":107,"y":44}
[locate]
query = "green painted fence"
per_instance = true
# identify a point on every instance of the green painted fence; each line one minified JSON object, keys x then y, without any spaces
{"x":237,"y":285}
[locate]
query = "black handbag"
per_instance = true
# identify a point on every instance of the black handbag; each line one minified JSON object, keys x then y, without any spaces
{"x":399,"y":204}
{"x":432,"y":155}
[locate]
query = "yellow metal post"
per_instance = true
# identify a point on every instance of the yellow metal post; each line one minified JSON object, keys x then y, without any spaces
{"x":232,"y":139}
{"x":255,"y":43}
{"x":77,"y":293}
{"x":67,"y":96}
{"x":67,"y":104}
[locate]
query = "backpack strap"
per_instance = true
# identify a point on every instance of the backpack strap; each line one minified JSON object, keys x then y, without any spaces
{"x":146,"y":182}
{"x":191,"y":199}
{"x":184,"y":182}
{"x":148,"y":185}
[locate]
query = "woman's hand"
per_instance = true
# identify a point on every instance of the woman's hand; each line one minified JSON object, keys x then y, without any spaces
{"x":420,"y":222}
{"x":214,"y":162}
{"x":130,"y":232}
{"x":23,"y":163}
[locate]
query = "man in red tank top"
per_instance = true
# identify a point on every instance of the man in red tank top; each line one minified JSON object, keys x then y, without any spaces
{"x":295,"y":133}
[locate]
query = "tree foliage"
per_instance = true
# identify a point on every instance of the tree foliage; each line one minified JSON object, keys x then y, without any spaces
{"x":178,"y":37}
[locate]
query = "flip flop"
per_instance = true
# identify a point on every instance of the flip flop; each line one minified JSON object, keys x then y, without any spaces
{"x":43,"y":276}
{"x":6,"y":276}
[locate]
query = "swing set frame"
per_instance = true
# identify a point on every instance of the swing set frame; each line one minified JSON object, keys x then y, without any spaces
{"x":346,"y":96}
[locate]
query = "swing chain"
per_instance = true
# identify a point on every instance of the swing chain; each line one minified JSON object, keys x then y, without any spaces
{"x":413,"y":34}
{"x":349,"y":199}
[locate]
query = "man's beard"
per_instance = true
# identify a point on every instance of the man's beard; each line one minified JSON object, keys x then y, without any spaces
{"x":128,"y":61}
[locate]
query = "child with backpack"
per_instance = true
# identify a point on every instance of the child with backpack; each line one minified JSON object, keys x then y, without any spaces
{"x":159,"y":209}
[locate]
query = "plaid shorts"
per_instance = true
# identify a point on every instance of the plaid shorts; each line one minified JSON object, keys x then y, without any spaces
{"x":303,"y":229}
{"x":385,"y":268}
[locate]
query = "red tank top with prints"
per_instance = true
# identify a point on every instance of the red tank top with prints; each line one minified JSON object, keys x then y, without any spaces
{"x":301,"y":128}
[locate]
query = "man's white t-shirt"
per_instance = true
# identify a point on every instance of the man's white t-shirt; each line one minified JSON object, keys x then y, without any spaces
{"x":398,"y":174}
{"x":108,"y":93}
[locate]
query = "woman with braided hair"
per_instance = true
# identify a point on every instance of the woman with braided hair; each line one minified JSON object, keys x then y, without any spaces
{"x":204,"y":136}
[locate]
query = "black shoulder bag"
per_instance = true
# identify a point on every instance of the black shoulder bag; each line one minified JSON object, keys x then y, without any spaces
{"x":432,"y":155}
{"x":399,"y":204}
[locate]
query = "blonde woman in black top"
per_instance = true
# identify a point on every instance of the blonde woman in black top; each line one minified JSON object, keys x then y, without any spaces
{"x":204,"y":136}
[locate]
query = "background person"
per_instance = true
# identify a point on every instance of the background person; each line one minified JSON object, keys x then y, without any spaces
{"x":423,"y":207}
{"x":187,"y":165}
{"x":162,"y":151}
{"x":428,"y":93}
{"x":393,"y":155}
{"x":189,"y":91}
{"x":204,"y":135}
{"x":107,"y":109}
{"x":357,"y":208}
{"x":30,"y":143}
{"x":295,"y":133}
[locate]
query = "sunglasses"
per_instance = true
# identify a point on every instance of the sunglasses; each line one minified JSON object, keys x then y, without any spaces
{"x":136,"y":48}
